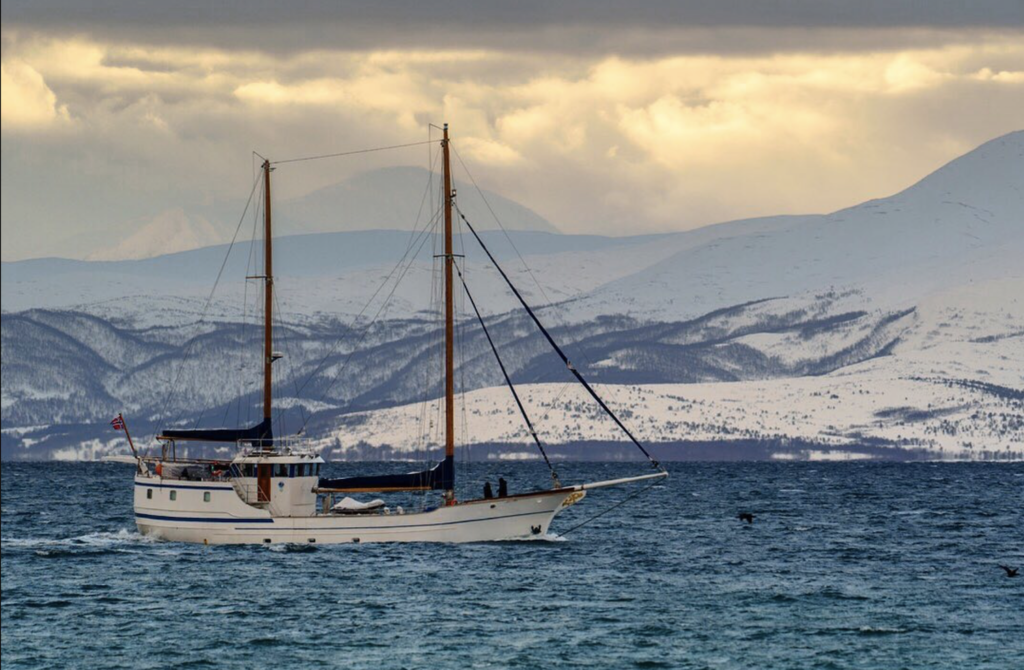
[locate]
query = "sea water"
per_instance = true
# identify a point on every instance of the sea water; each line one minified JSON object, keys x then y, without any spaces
{"x":851,"y":565}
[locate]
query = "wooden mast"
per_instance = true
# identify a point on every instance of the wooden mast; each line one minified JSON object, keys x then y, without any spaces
{"x":449,"y":315}
{"x":268,"y":302}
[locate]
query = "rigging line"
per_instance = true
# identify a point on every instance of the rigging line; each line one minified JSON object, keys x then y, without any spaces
{"x":427,"y":410}
{"x":565,"y":359}
{"x":349,"y":153}
{"x":460,"y":340}
{"x":243,"y":331}
{"x":251,"y":264}
{"x":615,"y":506}
{"x":508,"y":380}
{"x":209,"y":299}
{"x":522,"y":260}
{"x":366,"y":328}
{"x":466,"y":453}
{"x":436,"y":346}
{"x":246,"y":335}
{"x":413,"y":237}
{"x":202,"y":411}
{"x":288,"y":350}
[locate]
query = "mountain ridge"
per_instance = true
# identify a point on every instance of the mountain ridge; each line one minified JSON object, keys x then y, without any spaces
{"x":906,"y":308}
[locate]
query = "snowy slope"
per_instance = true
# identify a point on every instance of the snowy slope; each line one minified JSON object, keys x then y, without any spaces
{"x":962,"y":224}
{"x":861,"y":413}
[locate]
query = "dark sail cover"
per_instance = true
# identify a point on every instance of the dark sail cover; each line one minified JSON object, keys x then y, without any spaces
{"x":262,"y":433}
{"x":440,"y":477}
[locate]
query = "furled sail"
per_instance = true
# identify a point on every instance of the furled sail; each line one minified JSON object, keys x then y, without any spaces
{"x":440,"y":477}
{"x":260,"y":434}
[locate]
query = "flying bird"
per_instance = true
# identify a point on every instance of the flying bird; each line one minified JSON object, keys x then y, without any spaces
{"x":1010,"y":572}
{"x":745,"y":516}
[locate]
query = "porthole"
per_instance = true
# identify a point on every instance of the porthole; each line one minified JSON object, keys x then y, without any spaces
{"x":149,"y":494}
{"x":174,"y":495}
{"x":206,"y":496}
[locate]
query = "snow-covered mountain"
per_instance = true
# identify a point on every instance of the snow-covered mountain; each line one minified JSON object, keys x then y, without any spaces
{"x":891,"y":329}
{"x":963,"y":223}
{"x":397,"y":198}
{"x":168,"y":232}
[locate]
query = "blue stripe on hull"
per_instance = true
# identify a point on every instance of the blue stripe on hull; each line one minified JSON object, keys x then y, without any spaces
{"x":158,"y":517}
{"x":198,"y":519}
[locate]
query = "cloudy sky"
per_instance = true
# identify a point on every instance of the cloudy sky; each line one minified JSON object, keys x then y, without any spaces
{"x":603,"y":117}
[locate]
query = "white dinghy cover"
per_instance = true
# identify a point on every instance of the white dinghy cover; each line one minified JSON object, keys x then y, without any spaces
{"x":352,"y":506}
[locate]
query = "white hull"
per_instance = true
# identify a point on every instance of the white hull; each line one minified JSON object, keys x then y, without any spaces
{"x":226,"y":519}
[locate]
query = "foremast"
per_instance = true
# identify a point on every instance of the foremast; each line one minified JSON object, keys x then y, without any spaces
{"x":260,"y":436}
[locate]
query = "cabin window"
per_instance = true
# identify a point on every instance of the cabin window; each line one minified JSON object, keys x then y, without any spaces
{"x":300,"y":470}
{"x":149,"y":494}
{"x":174,"y":495}
{"x":316,"y":469}
{"x":206,"y":496}
{"x":281,"y":470}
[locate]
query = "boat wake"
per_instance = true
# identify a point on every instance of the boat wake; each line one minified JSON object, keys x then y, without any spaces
{"x":90,"y":544}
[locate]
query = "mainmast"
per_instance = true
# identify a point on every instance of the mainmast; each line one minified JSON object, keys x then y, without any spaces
{"x":449,"y":316}
{"x":268,"y":305}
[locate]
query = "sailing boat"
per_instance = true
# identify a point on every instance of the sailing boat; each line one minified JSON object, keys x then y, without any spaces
{"x":272,"y":491}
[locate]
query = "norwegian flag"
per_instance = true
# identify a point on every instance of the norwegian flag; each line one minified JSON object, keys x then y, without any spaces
{"x":117,"y":423}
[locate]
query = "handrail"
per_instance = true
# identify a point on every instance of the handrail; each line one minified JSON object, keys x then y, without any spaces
{"x":292,"y":445}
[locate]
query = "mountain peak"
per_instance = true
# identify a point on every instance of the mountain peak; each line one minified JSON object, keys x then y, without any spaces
{"x":988,"y":177}
{"x":390,"y":199}
{"x":170,"y":231}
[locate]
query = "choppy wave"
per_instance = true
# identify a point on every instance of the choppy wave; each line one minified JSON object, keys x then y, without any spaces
{"x":292,"y":548}
{"x":861,"y":559}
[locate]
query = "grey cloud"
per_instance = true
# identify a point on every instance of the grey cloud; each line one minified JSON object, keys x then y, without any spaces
{"x":576,"y":26}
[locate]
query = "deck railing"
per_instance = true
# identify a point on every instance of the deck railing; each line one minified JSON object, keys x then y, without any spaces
{"x":291,"y":445}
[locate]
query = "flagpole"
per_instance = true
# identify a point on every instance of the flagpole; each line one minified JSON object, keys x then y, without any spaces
{"x":124,"y":425}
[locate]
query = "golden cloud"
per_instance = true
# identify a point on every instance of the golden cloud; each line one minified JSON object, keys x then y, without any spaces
{"x":605,"y":143}
{"x":26,"y":102}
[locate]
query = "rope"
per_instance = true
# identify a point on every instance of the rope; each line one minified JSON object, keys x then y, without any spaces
{"x":575,"y":341}
{"x":350,"y":153}
{"x":414,"y":236}
{"x":508,"y":380}
{"x":615,"y":506}
{"x":561,"y":354}
{"x":366,"y":328}
{"x":209,"y":300}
